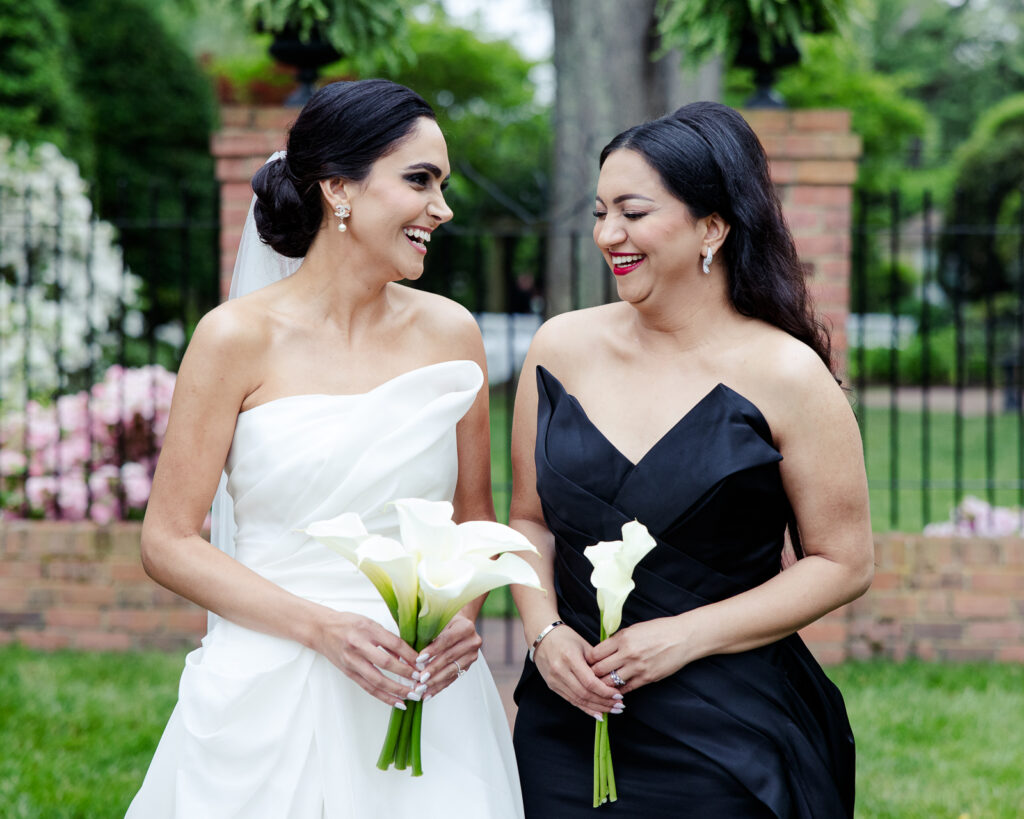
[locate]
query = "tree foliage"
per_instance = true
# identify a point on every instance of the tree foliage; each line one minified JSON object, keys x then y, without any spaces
{"x":498,"y":137}
{"x":959,"y":59}
{"x":989,"y":176}
{"x":37,"y":98}
{"x":702,"y":29}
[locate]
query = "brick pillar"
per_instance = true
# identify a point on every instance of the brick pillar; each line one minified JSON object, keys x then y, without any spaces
{"x":813,"y":157}
{"x":248,"y":136}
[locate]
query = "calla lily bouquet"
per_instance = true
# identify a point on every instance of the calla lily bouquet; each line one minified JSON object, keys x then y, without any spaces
{"x":425,"y":578}
{"x":614,"y":562}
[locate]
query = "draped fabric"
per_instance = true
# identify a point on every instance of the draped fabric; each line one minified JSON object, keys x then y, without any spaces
{"x":759,"y":733}
{"x":265,"y":727}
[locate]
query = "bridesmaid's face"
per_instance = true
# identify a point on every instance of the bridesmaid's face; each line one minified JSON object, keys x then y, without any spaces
{"x":395,"y":209}
{"x":647,"y":236}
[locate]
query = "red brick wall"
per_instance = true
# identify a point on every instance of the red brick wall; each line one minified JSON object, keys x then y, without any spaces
{"x":248,"y":136}
{"x":813,"y":157}
{"x":936,"y":598}
{"x":75,"y":585}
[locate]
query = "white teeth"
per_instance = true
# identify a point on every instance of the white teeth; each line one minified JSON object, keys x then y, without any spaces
{"x":622,"y":261}
{"x":417,"y":234}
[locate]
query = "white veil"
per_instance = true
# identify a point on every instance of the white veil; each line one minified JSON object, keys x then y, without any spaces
{"x":256,"y":266}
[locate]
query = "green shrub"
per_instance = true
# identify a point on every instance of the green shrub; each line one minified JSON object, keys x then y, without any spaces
{"x":37,"y":99}
{"x":151,"y":112}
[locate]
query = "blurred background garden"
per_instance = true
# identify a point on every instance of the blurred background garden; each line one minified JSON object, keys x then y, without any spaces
{"x":119,"y":212}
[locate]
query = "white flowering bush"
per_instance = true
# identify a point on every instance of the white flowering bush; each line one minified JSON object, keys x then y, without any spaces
{"x":62,"y":275}
{"x":973,"y":517}
{"x":88,"y":455}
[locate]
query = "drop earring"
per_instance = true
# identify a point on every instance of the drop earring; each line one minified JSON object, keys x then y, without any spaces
{"x":342,"y":212}
{"x":707,"y":263}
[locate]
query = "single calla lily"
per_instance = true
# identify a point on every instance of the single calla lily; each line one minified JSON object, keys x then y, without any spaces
{"x":425,"y":578}
{"x":614,"y":563}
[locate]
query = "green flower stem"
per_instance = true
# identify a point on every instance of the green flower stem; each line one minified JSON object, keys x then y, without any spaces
{"x":387,"y":753}
{"x":417,"y":728}
{"x":597,"y":764}
{"x":404,"y":737}
{"x":604,"y":775}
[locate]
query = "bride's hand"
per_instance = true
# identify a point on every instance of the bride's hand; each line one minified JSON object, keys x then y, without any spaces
{"x":640,"y":654}
{"x":561,"y":659}
{"x":456,"y":647}
{"x":362,"y":648}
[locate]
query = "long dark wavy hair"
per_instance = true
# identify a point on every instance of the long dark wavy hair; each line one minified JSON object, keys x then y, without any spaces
{"x":343,"y":129}
{"x":709,"y":158}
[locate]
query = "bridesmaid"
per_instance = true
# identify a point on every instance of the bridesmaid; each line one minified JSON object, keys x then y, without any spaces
{"x":703,"y":404}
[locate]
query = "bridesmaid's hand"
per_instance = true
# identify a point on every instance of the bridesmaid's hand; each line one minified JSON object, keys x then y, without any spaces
{"x":363,"y":649}
{"x":640,"y":654}
{"x":561,"y":659}
{"x":457,"y":646}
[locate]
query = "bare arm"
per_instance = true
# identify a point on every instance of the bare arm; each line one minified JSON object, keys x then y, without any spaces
{"x":823,"y":475}
{"x":459,"y":641}
{"x":214,"y":378}
{"x":561,"y":657}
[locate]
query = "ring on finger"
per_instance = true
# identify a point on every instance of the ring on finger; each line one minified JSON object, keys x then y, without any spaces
{"x":617,"y":681}
{"x":459,"y":670}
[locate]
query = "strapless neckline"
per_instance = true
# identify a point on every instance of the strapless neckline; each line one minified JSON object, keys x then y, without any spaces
{"x":324,"y":396}
{"x":720,"y":391}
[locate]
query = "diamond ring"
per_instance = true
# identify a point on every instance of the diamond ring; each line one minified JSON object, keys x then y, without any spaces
{"x":616,"y":679}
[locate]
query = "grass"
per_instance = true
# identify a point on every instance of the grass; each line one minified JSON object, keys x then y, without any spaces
{"x":78,"y":731}
{"x":936,"y":741}
{"x":910,"y":514}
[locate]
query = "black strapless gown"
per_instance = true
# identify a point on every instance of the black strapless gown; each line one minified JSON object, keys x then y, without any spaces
{"x":763,"y":733}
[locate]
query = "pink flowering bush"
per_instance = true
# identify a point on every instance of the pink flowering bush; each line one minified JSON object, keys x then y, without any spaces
{"x":974,"y":517}
{"x":89,"y":454}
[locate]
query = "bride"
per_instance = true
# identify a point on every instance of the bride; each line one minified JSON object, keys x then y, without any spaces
{"x":325,"y":390}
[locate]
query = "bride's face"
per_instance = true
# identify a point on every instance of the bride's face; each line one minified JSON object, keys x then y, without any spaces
{"x":401,"y":202}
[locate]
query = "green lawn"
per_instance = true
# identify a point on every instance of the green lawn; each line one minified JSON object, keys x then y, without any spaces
{"x":910,"y":517}
{"x":78,"y":730}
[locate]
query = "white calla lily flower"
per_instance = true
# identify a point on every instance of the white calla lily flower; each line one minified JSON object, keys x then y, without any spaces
{"x":425,"y":578}
{"x":614,"y":562}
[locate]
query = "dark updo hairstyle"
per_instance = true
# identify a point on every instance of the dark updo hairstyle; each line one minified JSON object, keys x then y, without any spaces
{"x":343,"y":129}
{"x":709,"y":158}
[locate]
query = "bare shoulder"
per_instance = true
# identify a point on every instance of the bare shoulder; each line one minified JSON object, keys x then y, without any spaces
{"x":439,"y":322}
{"x":793,"y":387}
{"x":228,"y":348}
{"x":569,"y":340}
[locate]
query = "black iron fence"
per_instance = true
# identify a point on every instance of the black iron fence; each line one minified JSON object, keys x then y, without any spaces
{"x":95,"y":315}
{"x":937,"y":362}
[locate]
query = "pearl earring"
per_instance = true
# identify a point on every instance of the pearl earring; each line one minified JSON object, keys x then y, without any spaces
{"x":707,"y":262}
{"x":342,"y":212}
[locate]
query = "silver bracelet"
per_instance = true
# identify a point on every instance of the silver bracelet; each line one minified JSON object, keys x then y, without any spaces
{"x":547,"y":630}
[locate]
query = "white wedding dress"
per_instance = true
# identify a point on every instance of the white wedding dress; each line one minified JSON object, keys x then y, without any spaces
{"x":265,"y":727}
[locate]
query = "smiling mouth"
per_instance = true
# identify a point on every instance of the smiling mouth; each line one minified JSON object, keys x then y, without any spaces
{"x":626,"y":263}
{"x":418,"y":238}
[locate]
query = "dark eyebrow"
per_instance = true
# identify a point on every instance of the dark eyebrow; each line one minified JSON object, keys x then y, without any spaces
{"x":624,"y":197}
{"x":431,"y":167}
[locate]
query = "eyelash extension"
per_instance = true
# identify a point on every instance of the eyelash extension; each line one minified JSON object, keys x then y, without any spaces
{"x":599,"y":214}
{"x":418,"y":179}
{"x":634,"y":215}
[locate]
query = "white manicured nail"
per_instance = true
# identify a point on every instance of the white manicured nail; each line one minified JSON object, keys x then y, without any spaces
{"x":599,"y":717}
{"x":400,"y":705}
{"x":422,"y":658}
{"x":415,"y":675}
{"x":424,"y":676}
{"x":421,"y":688}
{"x":414,"y":696}
{"x":614,"y":696}
{"x":618,"y":709}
